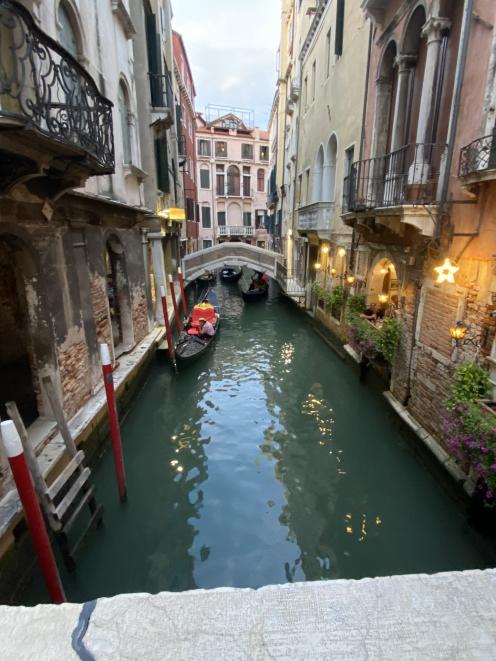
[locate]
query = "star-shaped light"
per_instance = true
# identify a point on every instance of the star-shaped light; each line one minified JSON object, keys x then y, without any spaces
{"x":446,"y":272}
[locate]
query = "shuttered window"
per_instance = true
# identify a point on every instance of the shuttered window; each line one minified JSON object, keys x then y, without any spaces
{"x":247,"y":218}
{"x":221,"y":218}
{"x":338,"y":44}
{"x":161,"y":164}
{"x":206,"y":217}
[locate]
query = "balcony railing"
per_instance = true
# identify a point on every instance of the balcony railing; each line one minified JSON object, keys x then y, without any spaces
{"x":235,"y":230}
{"x":478,"y":156}
{"x":43,"y":87}
{"x":161,"y":90}
{"x":315,"y":217}
{"x":408,"y":176}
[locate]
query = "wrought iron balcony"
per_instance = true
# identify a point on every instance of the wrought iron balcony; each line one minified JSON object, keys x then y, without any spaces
{"x":315,"y":217}
{"x":162,"y":98}
{"x":478,"y":159}
{"x":45,"y":91}
{"x":408,"y":176}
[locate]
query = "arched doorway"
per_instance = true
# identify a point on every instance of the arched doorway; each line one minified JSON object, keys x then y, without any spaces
{"x":383,"y":284}
{"x":18,"y":366}
{"x":118,"y":294}
{"x":329,"y":182}
{"x":318,"y":172}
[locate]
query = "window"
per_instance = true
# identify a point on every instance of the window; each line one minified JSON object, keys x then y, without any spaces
{"x":349,"y":157}
{"x":338,"y":45}
{"x":233,"y":180}
{"x":221,"y":149}
{"x":219,"y":180}
{"x":307,"y":186}
{"x":264,"y":153}
{"x":207,"y":243}
{"x":66,"y":33}
{"x":247,"y":218}
{"x":259,"y":219}
{"x":260,"y":180}
{"x":305,"y":93}
{"x":221,"y":218}
{"x":247,"y":151}
{"x":328,"y":52}
{"x":314,"y":76}
{"x":190,"y":208}
{"x":299,"y":192}
{"x":124,"y":113}
{"x":206,"y":217}
{"x":162,"y":164}
{"x":204,"y":178}
{"x":246,"y":181}
{"x":204,"y":148}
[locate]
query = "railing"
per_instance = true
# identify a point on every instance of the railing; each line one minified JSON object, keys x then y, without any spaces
{"x":161,"y":90}
{"x":317,"y":217}
{"x":235,"y":230}
{"x":409,"y":175}
{"x":43,"y":86}
{"x":478,"y":156}
{"x":292,"y":281}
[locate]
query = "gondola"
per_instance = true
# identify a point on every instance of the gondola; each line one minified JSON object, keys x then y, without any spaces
{"x":207,"y":278}
{"x":229,"y":274}
{"x":255,"y":294}
{"x":189,"y":346}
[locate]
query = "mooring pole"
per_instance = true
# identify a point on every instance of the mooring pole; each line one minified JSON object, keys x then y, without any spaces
{"x":168,"y":332}
{"x":183,"y":297}
{"x":115,"y":433}
{"x":34,"y":517}
{"x":174,"y":303}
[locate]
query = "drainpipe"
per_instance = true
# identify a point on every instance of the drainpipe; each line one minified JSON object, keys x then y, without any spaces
{"x":455,"y":110}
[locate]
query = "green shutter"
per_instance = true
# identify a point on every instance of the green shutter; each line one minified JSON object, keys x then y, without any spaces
{"x":162,"y":165}
{"x":338,"y":44}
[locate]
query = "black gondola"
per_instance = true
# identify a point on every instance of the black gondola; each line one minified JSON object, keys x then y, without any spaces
{"x":207,"y":278}
{"x":229,"y":274}
{"x":255,"y":294}
{"x":189,"y":346}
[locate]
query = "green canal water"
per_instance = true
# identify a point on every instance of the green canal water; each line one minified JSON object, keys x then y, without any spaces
{"x":266,"y":462}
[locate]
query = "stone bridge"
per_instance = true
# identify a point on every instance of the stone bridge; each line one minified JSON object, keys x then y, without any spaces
{"x":242,"y":254}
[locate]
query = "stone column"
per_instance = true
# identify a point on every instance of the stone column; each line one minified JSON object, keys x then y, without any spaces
{"x":369,"y":184}
{"x":159,"y":271}
{"x":432,"y":30}
{"x":405,"y":64}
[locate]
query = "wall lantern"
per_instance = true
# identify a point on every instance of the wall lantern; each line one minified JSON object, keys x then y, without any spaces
{"x":446,"y":272}
{"x":290,"y":232}
{"x":317,"y":266}
{"x":325,"y":249}
{"x":350,"y":279}
{"x":341,"y":252}
{"x":383,"y":298}
{"x":333,"y":271}
{"x":458,"y":334}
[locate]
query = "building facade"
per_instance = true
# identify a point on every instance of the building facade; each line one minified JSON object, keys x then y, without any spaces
{"x":83,"y":193}
{"x":187,"y":153}
{"x":232,"y":171}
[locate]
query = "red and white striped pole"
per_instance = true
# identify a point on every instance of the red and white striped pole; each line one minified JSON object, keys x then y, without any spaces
{"x":183,"y":297}
{"x":34,"y":517}
{"x":115,"y":433}
{"x":168,"y":331}
{"x":174,"y":303}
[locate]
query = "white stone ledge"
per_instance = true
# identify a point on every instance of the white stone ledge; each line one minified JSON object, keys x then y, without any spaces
{"x":450,"y":616}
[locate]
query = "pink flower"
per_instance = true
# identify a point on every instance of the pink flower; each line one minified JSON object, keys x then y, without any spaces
{"x":489,"y":494}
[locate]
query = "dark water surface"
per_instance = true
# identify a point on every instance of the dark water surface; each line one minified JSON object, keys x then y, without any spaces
{"x":266,"y":462}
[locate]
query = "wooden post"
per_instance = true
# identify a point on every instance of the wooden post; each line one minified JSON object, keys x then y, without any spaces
{"x":183,"y":295}
{"x":174,"y":303}
{"x":34,"y":518}
{"x":168,"y":331}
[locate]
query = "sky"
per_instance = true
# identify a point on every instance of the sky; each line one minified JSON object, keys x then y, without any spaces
{"x":231,"y":46}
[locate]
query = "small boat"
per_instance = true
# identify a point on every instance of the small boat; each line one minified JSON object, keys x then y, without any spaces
{"x":258,"y":289}
{"x":190,"y":346}
{"x":207,"y":278}
{"x":230,"y":274}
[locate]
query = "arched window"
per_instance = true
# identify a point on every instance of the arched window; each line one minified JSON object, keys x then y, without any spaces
{"x":124,"y":113}
{"x":66,"y":32}
{"x":318,"y":172}
{"x":329,"y":178}
{"x":233,"y":180}
{"x":260,"y":180}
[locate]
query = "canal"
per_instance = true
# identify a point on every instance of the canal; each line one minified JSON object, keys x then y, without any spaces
{"x":266,"y":462}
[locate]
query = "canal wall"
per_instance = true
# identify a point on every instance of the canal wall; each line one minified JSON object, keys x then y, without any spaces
{"x":449,"y":616}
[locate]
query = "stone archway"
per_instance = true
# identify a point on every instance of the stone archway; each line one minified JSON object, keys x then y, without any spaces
{"x":383,"y":284}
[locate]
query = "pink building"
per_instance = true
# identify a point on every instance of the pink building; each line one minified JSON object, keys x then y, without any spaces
{"x":232,"y":171}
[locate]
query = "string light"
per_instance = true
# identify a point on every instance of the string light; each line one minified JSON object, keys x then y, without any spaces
{"x":342,"y":252}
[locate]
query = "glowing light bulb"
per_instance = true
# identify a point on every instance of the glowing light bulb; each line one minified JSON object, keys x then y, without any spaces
{"x":342,"y":252}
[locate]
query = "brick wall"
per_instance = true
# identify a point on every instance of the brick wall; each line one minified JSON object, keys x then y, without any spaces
{"x":140,"y":314}
{"x":439,"y":313}
{"x":101,"y":313}
{"x":74,"y":376}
